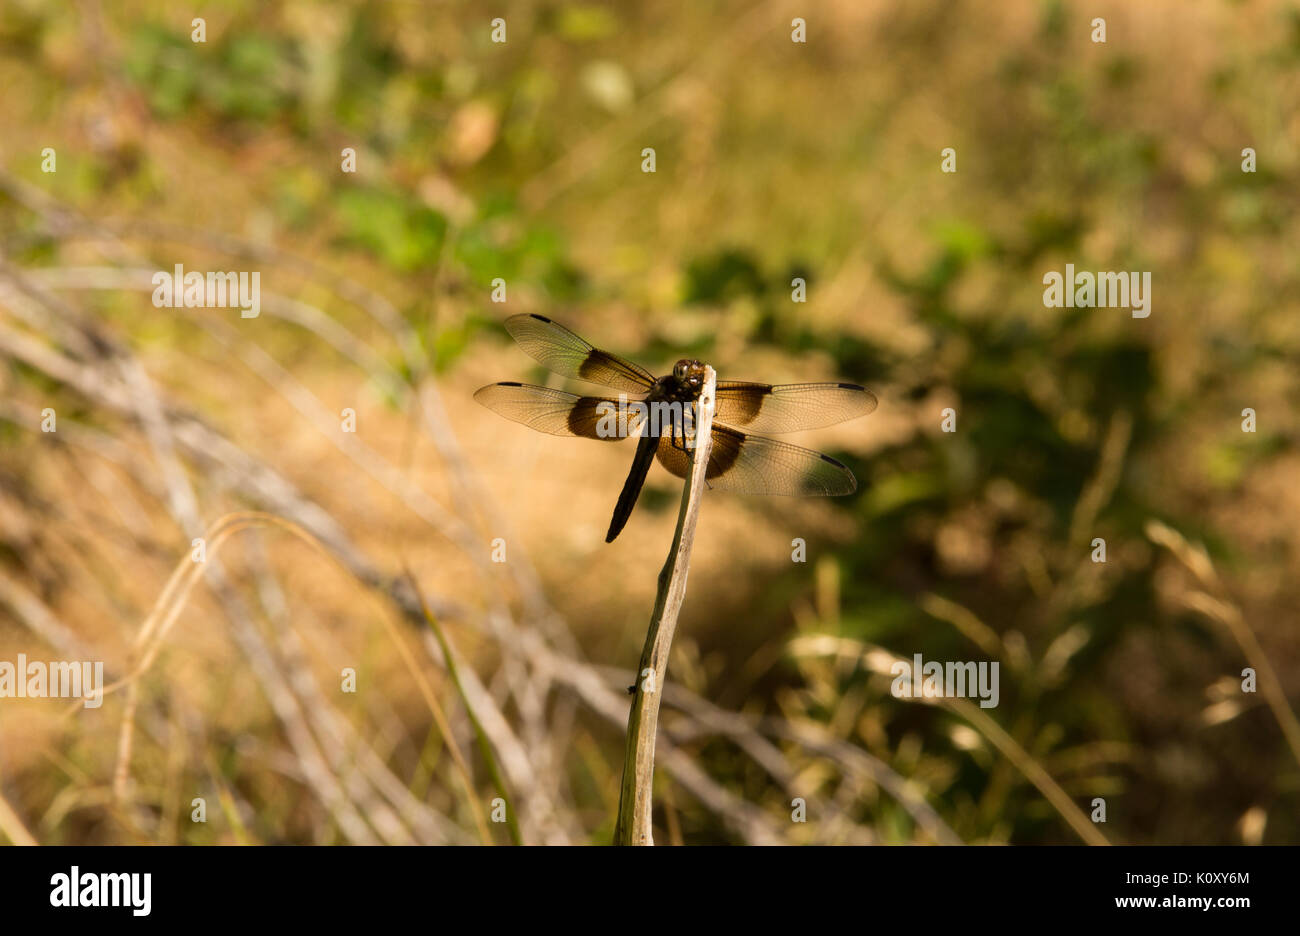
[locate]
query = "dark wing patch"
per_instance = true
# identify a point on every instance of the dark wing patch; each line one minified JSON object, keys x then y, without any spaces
{"x":750,"y":464}
{"x":790,"y":407}
{"x":559,"y":413}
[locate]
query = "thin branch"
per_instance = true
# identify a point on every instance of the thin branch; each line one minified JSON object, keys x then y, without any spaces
{"x":634,"y":825}
{"x":12,"y":826}
{"x":485,"y":746}
{"x":1216,"y":607}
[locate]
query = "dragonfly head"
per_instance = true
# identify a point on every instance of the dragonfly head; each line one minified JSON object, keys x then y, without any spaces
{"x":689,"y":374}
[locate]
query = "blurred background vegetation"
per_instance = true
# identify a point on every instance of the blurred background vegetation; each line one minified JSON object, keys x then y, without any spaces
{"x":477,"y":160}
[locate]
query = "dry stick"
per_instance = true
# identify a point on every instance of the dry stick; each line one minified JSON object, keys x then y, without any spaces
{"x":149,"y":640}
{"x":484,"y":744}
{"x":1197,"y":561}
{"x":634,"y":801}
{"x":12,"y":826}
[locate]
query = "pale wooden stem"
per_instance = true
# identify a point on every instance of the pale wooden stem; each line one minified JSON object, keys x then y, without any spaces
{"x":634,"y":802}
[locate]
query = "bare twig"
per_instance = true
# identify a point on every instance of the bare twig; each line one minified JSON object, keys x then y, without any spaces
{"x":485,"y":746}
{"x":12,"y":826}
{"x":1213,"y":604}
{"x":633,"y":826}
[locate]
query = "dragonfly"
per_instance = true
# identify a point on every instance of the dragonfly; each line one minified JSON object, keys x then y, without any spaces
{"x":740,"y":461}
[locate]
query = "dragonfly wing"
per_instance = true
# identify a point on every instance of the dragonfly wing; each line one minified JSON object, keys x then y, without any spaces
{"x":790,"y":407}
{"x":750,"y":464}
{"x":560,"y":413}
{"x":562,"y":352}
